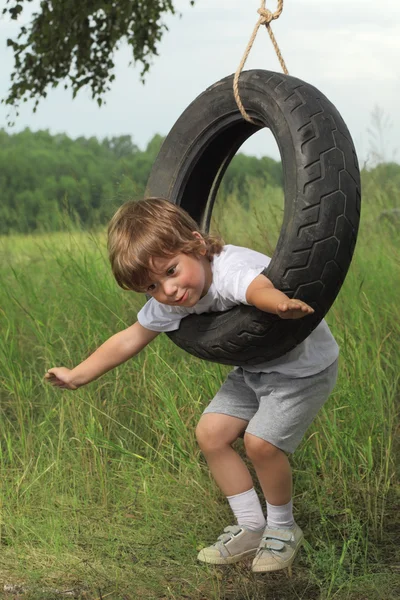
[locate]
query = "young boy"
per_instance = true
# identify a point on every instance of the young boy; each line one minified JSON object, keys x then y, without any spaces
{"x":155,"y":248}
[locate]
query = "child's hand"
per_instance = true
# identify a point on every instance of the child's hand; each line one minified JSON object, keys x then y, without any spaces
{"x":60,"y":377}
{"x":293,"y":309}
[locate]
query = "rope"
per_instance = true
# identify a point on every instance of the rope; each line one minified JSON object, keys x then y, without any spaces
{"x":266,"y":16}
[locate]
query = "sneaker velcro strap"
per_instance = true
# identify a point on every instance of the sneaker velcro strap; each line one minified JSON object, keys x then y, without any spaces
{"x":278,"y":534}
{"x":273,"y":545}
{"x":229,"y":532}
{"x":235,"y":529}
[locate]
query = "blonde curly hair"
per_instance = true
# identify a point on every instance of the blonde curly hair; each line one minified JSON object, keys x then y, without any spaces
{"x":152,"y":228}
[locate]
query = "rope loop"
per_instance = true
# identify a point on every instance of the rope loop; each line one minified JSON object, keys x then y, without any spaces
{"x":266,"y":17}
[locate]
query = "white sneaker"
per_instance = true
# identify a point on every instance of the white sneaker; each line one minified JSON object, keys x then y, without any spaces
{"x":235,"y":544}
{"x":277,"y":549}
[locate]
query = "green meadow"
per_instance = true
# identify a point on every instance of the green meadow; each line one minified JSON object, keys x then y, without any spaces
{"x":103,"y":491}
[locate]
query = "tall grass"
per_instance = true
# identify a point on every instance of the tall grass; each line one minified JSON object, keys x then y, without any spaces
{"x":103,"y":491}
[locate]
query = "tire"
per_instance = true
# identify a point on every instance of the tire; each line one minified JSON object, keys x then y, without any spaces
{"x":321,"y":213}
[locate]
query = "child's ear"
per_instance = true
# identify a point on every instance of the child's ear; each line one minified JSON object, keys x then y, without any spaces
{"x":198,"y":235}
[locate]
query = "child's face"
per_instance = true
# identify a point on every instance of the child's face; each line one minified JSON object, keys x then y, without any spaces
{"x":180,"y":280}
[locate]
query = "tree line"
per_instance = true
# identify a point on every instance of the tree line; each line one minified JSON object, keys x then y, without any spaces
{"x":47,"y":180}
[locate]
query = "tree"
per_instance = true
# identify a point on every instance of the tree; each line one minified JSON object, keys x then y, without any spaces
{"x":75,"y":41}
{"x":121,"y":146}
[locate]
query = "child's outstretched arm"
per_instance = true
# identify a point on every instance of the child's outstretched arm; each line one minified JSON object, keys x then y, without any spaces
{"x":116,"y":350}
{"x":262,"y":294}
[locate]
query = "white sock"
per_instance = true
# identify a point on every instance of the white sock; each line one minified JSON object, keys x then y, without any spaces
{"x":247,"y":509}
{"x":280,"y":516}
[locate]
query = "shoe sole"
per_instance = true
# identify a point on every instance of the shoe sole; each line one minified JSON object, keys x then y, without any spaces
{"x":228,"y":560}
{"x":278,"y":566}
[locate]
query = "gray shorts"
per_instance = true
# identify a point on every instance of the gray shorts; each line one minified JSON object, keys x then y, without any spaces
{"x":278,"y":408}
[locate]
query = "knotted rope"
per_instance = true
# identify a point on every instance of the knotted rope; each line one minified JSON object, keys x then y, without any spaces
{"x":266,"y":16}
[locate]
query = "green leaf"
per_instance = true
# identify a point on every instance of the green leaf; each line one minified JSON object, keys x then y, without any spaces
{"x":77,"y":40}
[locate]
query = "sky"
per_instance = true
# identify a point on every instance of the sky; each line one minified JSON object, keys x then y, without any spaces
{"x":349,"y":49}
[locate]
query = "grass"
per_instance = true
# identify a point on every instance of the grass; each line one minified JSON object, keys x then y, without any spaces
{"x":104,"y":493}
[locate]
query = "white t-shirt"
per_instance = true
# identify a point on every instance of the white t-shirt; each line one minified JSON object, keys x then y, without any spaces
{"x":233,"y":271}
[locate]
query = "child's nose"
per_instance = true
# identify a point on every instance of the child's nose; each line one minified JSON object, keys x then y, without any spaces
{"x":169,"y":288}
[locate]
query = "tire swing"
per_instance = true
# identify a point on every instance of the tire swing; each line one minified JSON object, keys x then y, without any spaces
{"x":321,"y":209}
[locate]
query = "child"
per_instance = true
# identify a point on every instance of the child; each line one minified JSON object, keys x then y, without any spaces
{"x":155,"y":248}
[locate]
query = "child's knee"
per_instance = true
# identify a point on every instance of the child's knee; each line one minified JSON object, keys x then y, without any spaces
{"x":258,"y":449}
{"x":208,"y":434}
{"x":215,"y":431}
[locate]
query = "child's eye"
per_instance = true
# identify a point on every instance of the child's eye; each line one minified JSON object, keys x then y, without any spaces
{"x":171,"y":270}
{"x":151,"y":287}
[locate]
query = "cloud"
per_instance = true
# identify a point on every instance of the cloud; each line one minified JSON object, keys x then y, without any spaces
{"x":349,"y":49}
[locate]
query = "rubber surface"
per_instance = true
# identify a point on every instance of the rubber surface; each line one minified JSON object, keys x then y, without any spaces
{"x":321,"y":213}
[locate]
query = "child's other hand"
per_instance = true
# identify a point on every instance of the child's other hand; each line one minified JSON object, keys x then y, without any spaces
{"x":60,"y":377}
{"x":293,"y":309}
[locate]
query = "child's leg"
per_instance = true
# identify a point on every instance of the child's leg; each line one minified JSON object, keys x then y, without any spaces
{"x":223,"y":421}
{"x":275,"y":476}
{"x":215,"y":434}
{"x":287,"y":407}
{"x":272,"y":468}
